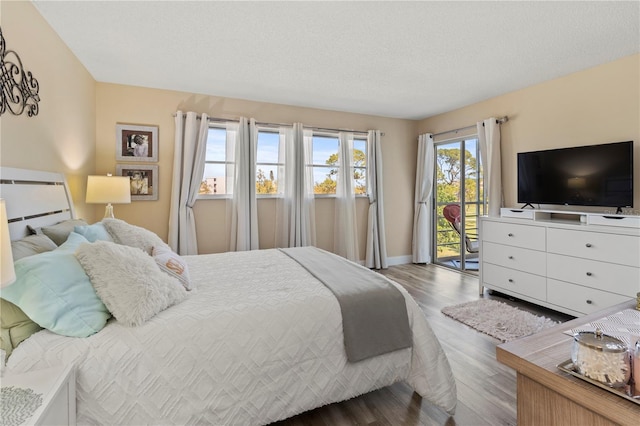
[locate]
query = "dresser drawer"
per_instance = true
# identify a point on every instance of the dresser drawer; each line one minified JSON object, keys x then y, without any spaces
{"x":525,"y":236}
{"x":515,"y":257}
{"x":614,"y":220}
{"x":620,"y":279}
{"x":580,"y":299}
{"x":614,"y":248}
{"x":498,"y":277}
{"x":517,"y":213}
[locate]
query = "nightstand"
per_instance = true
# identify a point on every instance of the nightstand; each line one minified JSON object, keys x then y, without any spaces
{"x":58,"y":388}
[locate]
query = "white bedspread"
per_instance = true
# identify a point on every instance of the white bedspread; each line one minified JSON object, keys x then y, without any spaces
{"x":259,"y":340}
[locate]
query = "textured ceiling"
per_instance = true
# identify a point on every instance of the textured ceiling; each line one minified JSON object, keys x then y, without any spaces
{"x":395,"y":59}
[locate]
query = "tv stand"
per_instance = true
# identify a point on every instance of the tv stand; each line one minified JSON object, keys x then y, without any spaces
{"x":572,"y":262}
{"x":528,"y":204}
{"x":572,"y":217}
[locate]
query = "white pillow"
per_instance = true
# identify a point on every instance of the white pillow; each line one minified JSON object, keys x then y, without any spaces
{"x":172,"y":264}
{"x":131,"y":235}
{"x":128,"y":281}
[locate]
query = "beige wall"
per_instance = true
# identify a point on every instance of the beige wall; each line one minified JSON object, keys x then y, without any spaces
{"x":61,"y":138}
{"x":137,"y":105}
{"x":598,"y":105}
{"x":74,"y":132}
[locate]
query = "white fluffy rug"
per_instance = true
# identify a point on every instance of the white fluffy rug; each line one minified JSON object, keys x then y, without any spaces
{"x":497,"y":319}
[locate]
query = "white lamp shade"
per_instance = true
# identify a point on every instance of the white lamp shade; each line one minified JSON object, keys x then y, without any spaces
{"x":7,"y":274}
{"x":108,"y":189}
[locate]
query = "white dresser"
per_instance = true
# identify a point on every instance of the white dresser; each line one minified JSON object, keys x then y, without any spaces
{"x":576,"y":263}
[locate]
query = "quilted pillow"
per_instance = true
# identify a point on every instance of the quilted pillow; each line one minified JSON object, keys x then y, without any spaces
{"x":131,"y":235}
{"x":60,"y":231}
{"x":172,"y":264}
{"x":30,"y":245}
{"x":95,"y":232}
{"x":53,"y":290}
{"x":16,"y":326}
{"x":128,"y":281}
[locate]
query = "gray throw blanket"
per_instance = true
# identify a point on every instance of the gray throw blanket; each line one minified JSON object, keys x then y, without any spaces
{"x":374,"y":313}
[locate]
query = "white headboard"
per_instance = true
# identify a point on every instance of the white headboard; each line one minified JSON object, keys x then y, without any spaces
{"x":34,"y":198}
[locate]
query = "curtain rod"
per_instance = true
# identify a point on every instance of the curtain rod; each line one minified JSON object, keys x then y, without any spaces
{"x":324,"y":129}
{"x":320,"y":129}
{"x":473,"y":126}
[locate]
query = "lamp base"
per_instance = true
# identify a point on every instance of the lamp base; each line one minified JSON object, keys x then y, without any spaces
{"x":108,"y":212}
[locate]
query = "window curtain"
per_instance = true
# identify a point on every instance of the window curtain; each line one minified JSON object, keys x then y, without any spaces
{"x":376,"y":255}
{"x":345,"y":232}
{"x":423,"y":209}
{"x":295,"y":207}
{"x":244,"y":214}
{"x":489,"y":140}
{"x":188,"y":167}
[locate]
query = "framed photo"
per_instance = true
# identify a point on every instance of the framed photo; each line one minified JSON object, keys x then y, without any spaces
{"x":136,"y":143}
{"x":143,"y":180}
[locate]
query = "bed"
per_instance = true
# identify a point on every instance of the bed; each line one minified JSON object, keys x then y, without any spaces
{"x":258,"y":339}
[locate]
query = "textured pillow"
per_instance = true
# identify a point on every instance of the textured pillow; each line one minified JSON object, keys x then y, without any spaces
{"x":60,"y":231}
{"x":53,"y":290}
{"x":30,"y":245}
{"x":15,"y":326}
{"x":95,"y":232}
{"x":172,"y":264}
{"x":131,"y":235}
{"x":128,"y":281}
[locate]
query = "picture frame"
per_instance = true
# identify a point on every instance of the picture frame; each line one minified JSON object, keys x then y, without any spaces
{"x":136,"y":143}
{"x":143,"y":180}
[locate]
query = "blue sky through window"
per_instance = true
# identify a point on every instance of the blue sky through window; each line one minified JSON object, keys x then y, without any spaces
{"x":323,"y":148}
{"x":216,"y":144}
{"x":267,"y":154}
{"x":268,"y":143}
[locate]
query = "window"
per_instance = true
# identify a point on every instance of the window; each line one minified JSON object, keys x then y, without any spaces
{"x":360,"y":166}
{"x":219,"y":162}
{"x":214,"y":180}
{"x":267,"y":162}
{"x":326,"y":162}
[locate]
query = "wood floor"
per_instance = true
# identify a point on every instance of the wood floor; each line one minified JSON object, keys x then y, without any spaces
{"x":486,"y":389}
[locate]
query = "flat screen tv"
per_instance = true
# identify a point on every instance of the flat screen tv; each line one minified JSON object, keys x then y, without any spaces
{"x":594,"y":175}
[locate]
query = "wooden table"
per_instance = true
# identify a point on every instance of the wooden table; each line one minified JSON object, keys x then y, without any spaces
{"x":548,"y":396}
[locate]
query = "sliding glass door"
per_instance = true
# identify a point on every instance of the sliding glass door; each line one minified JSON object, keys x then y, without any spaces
{"x":459,"y":201}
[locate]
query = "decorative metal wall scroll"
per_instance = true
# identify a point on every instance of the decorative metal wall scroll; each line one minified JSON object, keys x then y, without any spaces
{"x":19,"y":87}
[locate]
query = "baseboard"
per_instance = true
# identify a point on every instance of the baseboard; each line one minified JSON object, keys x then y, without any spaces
{"x":393,"y":261}
{"x":399,"y":260}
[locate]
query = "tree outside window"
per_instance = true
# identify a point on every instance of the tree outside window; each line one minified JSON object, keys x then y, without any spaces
{"x":326,"y":172}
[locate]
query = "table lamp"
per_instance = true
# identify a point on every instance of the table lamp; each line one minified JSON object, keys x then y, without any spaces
{"x":7,"y":274}
{"x":108,"y":189}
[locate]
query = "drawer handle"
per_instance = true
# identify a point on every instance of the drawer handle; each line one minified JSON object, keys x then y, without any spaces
{"x":588,"y":245}
{"x":510,"y":234}
{"x":589,"y":301}
{"x":589,"y":274}
{"x":511,"y":257}
{"x":510,"y":280}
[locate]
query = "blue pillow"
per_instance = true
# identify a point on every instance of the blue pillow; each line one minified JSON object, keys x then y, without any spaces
{"x":54,"y":291}
{"x":93,"y":233}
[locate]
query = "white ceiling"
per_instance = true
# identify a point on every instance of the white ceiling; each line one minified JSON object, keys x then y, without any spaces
{"x":395,"y":59}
